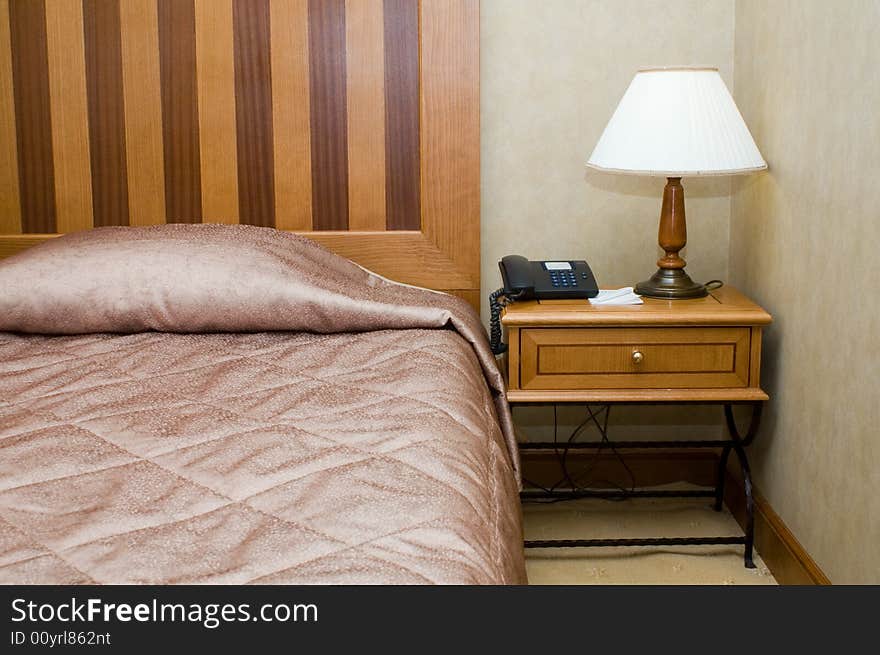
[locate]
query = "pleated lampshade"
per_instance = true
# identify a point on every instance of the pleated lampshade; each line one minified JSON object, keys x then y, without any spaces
{"x":677,"y":122}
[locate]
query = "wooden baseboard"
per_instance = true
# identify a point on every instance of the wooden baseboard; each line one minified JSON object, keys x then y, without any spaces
{"x":649,"y":467}
{"x":783,"y":554}
{"x":786,"y":558}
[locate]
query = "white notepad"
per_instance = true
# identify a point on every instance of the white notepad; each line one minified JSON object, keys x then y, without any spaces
{"x":624,"y":296}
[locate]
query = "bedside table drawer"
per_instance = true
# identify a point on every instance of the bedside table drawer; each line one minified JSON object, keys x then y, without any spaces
{"x":634,"y":358}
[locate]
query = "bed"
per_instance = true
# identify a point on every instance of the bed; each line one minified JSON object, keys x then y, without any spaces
{"x":233,"y":404}
{"x":241,"y":405}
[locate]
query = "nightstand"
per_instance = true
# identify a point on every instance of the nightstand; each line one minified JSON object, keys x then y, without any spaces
{"x":704,"y":350}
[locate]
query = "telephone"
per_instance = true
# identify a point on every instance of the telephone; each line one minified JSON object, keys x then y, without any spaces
{"x":525,"y":280}
{"x":560,"y":280}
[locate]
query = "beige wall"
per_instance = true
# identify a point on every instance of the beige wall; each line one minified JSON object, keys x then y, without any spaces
{"x":801,"y":239}
{"x":552,"y":72}
{"x":804,"y":239}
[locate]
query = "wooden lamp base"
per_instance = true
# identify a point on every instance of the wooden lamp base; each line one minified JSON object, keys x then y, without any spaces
{"x":670,"y":281}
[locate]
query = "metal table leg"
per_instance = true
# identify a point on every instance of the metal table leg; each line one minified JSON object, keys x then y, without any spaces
{"x":738,"y":444}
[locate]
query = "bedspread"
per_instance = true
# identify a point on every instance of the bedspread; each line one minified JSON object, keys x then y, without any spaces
{"x":273,"y":457}
{"x":233,"y":404}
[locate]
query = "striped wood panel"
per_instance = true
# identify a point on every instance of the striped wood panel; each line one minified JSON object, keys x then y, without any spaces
{"x":144,"y":145}
{"x":103,"y":50}
{"x":180,"y":111}
{"x":30,"y":81}
{"x":253,"y":110}
{"x":215,"y":79}
{"x":70,"y":119}
{"x":354,"y":121}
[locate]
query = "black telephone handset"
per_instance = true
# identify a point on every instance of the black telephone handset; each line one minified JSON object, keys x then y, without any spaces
{"x":526,"y":280}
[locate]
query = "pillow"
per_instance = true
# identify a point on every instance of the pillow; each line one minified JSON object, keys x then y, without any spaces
{"x":191,"y":278}
{"x":220,"y":278}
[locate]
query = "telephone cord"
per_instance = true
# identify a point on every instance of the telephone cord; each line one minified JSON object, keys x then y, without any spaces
{"x":498,"y":299}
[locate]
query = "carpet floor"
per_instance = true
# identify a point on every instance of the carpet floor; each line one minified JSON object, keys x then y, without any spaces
{"x":597,"y":519}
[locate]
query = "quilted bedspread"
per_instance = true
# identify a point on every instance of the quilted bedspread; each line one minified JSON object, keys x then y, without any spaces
{"x":252,"y":458}
{"x":231,"y":404}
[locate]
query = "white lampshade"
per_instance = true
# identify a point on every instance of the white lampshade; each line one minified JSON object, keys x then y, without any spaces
{"x":677,"y":122}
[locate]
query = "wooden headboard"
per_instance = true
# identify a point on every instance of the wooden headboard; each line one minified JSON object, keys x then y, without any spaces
{"x":355,"y":122}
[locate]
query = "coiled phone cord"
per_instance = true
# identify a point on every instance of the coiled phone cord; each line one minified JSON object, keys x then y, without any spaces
{"x":498,"y":299}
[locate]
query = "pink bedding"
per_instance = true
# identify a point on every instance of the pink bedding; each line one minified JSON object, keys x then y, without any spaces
{"x":378,"y":451}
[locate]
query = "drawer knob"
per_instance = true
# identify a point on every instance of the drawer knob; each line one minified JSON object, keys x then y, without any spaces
{"x":637,"y":356}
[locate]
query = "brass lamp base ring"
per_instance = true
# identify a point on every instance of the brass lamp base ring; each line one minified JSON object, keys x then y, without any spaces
{"x":672,"y":284}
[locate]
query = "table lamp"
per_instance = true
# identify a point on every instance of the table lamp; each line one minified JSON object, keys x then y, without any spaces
{"x":676,"y":122}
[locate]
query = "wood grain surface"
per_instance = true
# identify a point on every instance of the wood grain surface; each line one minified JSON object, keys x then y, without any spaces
{"x":180,"y":111}
{"x":603,"y":358}
{"x":103,"y":55}
{"x":215,"y":75}
{"x":10,"y":202}
{"x":292,"y":144}
{"x":253,"y":102}
{"x":69,"y":109}
{"x":401,"y":114}
{"x":701,"y":350}
{"x":33,"y":122}
{"x":365,"y":100}
{"x":141,"y":81}
{"x":355,"y":122}
{"x":328,"y":119}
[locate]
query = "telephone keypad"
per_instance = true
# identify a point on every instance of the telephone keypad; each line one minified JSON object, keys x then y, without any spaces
{"x":564,"y":279}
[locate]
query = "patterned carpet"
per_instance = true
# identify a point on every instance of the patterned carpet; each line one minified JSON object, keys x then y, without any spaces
{"x":592,"y":518}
